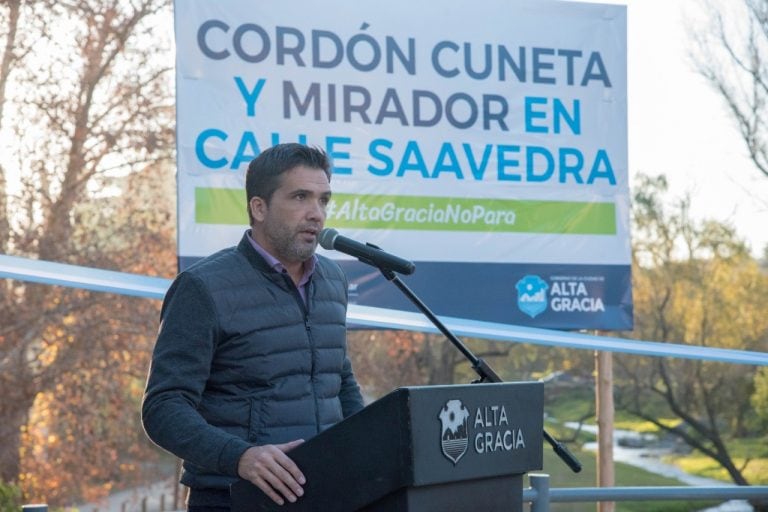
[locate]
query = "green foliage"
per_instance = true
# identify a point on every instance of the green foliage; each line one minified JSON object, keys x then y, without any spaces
{"x":760,"y":396}
{"x":10,"y":497}
{"x":694,"y":282}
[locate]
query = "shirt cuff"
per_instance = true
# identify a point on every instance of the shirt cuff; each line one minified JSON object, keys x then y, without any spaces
{"x":230,"y":456}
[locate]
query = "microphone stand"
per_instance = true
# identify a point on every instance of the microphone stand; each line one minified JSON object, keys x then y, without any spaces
{"x":483,"y":370}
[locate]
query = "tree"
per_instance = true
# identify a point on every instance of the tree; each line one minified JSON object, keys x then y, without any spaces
{"x":85,"y":91}
{"x":696,"y":283}
{"x":387,"y":359}
{"x":84,"y":431}
{"x":384,"y":360}
{"x":731,"y":53}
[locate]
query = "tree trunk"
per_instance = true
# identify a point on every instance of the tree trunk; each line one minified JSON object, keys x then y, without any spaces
{"x":5,"y":71}
{"x":10,"y":432}
{"x":19,"y":384}
{"x":440,"y":361}
{"x":14,"y":7}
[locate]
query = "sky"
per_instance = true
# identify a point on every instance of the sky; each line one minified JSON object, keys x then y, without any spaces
{"x":679,"y":126}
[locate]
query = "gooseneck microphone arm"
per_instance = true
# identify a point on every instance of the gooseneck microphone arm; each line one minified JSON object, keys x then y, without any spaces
{"x":482,"y":368}
{"x":372,"y":255}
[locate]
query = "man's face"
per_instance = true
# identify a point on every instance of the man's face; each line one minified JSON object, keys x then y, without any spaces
{"x":289,"y":225}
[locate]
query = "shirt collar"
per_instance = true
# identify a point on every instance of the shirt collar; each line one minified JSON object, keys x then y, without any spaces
{"x":309,"y":265}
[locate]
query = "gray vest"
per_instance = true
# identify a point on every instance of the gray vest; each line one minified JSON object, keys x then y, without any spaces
{"x":277,"y":365}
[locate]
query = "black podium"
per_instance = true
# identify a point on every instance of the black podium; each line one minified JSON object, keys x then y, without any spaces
{"x":421,"y":449}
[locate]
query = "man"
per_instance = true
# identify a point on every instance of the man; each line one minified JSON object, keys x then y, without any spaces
{"x":251,"y":354}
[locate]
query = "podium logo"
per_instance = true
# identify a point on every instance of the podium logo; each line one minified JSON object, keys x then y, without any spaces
{"x":532,"y":295}
{"x":455,"y":438}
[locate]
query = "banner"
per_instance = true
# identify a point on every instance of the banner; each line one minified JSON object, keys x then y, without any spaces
{"x":485,"y":141}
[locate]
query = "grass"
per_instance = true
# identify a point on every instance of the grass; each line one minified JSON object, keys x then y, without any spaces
{"x":627,"y":422}
{"x":755,"y":471}
{"x":573,"y":404}
{"x":570,"y":404}
{"x":562,"y":476}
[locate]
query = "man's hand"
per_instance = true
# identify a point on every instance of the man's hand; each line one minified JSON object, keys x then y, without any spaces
{"x":271,"y":470}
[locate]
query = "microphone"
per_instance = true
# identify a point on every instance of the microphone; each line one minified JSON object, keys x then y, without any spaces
{"x":331,"y":239}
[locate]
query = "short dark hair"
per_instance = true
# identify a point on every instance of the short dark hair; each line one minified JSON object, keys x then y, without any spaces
{"x":264,"y":171}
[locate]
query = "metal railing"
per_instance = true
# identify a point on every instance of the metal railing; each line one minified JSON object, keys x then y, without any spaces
{"x":61,"y":274}
{"x":539,"y":494}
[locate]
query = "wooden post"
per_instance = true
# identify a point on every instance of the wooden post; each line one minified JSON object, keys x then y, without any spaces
{"x":177,"y":486}
{"x":605,"y":411}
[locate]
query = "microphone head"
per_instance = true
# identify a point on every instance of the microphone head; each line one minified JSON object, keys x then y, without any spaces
{"x":326,"y":238}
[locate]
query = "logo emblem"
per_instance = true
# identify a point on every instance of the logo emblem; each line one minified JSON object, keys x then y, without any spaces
{"x":532,"y":295}
{"x":455,"y":437}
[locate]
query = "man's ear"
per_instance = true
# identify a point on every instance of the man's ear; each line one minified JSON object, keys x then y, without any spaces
{"x":258,"y":208}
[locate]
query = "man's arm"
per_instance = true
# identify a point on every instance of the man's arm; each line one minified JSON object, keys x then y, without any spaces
{"x":350,"y":397}
{"x":349,"y":394}
{"x":181,"y":365}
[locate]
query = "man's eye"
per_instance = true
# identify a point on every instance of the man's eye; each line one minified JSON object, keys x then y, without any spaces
{"x":301,"y":197}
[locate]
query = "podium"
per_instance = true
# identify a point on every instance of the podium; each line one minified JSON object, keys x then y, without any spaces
{"x":420,"y":449}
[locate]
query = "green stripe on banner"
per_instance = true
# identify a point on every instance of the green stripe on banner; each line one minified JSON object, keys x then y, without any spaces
{"x":471,"y":214}
{"x":227,"y":206}
{"x":220,"y":206}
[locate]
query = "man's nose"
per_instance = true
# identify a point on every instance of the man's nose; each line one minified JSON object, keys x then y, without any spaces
{"x":317,"y":210}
